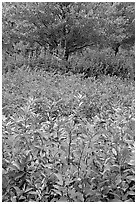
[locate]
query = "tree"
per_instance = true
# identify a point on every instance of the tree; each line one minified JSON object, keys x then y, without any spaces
{"x":118,"y":24}
{"x":67,"y":27}
{"x":50,"y":25}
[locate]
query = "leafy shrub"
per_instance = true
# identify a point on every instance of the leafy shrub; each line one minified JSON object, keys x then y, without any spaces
{"x":104,"y":62}
{"x":93,"y":63}
{"x":67,"y":139}
{"x":35,"y":59}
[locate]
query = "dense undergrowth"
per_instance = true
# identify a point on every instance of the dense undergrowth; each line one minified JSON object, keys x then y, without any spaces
{"x":66,"y":138}
{"x":90,"y":62}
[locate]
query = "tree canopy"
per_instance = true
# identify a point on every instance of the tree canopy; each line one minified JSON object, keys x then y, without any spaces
{"x":69,"y":26}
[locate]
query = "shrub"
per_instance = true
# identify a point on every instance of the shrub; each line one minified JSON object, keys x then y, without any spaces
{"x":104,"y":62}
{"x":93,"y":63}
{"x":67,"y":139}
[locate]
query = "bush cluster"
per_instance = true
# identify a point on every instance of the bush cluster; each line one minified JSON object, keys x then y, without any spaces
{"x":66,"y":139}
{"x":104,"y":62}
{"x":93,"y":63}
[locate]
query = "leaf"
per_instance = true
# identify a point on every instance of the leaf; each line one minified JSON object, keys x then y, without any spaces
{"x":15,"y":166}
{"x":116,"y":200}
{"x":48,"y":166}
{"x":23,"y":198}
{"x":115,"y":168}
{"x":59,"y":177}
{"x":131,"y":162}
{"x":63,"y":199}
{"x":4,"y":171}
{"x":132,"y":125}
{"x":57,"y":191}
{"x":132,"y":178}
{"x":79,"y":197}
{"x":54,"y":200}
{"x":114,"y":151}
{"x":106,"y":168}
{"x":72,"y":193}
{"x":38,"y":184}
{"x":125,"y":153}
{"x":4,"y":181}
{"x":33,"y":192}
{"x":118,"y":179}
{"x":131,"y":192}
{"x":63,"y":148}
{"x":19,"y":175}
{"x":18,"y":191}
{"x":13,"y":199}
{"x":95,"y":137}
{"x":131,"y":159}
{"x":28,"y":190}
{"x":129,"y":200}
{"x":90,"y":127}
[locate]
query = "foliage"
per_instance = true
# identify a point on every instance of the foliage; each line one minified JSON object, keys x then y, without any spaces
{"x":50,"y":35}
{"x":104,"y":62}
{"x":68,"y":129}
{"x":66,"y":27}
{"x":67,"y":139}
{"x":89,"y":63}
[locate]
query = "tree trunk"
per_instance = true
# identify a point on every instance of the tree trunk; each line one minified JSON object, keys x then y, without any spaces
{"x":66,"y":55}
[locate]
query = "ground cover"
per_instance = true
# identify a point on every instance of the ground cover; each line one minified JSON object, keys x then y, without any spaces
{"x":66,"y":138}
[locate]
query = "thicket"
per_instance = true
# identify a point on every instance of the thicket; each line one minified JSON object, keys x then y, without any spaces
{"x":67,"y":139}
{"x":90,"y":38}
{"x":90,"y":63}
